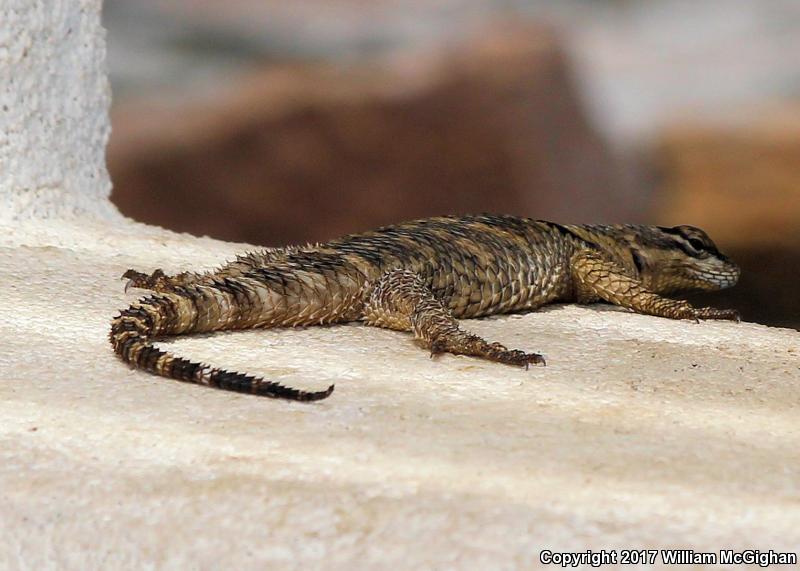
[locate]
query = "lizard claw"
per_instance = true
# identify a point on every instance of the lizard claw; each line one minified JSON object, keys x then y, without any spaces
{"x":133,"y":277}
{"x":437,"y":348}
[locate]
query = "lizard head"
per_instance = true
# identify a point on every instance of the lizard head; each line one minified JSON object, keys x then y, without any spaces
{"x":682,"y":259}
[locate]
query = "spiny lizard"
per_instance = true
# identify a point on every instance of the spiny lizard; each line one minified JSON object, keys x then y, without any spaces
{"x":421,"y":277}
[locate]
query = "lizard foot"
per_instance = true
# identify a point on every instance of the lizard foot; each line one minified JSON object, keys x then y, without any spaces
{"x":489,"y":351}
{"x":500,"y":354}
{"x":155,"y":281}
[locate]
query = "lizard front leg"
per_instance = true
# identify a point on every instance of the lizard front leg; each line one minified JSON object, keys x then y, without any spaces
{"x":598,"y":277}
{"x":401,"y":300}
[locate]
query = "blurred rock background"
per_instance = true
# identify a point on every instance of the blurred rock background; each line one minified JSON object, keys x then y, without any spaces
{"x":275,"y":122}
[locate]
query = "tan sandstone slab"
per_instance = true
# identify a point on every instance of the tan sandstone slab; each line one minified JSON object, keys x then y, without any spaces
{"x":640,"y":432}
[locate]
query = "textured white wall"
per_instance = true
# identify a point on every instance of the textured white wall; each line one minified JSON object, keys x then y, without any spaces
{"x":54,"y":99}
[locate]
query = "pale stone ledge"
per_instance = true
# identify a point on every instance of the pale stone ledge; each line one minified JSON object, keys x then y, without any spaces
{"x":639,"y":432}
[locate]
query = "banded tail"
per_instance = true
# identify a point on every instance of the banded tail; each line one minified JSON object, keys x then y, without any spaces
{"x":136,"y":328}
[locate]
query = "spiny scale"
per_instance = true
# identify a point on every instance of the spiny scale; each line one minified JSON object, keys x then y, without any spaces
{"x":421,"y":277}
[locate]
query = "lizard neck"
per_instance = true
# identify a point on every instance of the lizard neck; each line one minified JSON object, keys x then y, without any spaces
{"x":618,"y":243}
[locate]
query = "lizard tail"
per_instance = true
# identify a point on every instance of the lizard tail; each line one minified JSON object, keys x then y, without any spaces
{"x":134,"y":330}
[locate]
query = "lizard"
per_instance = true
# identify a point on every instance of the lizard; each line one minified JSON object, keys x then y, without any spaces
{"x":421,"y":277}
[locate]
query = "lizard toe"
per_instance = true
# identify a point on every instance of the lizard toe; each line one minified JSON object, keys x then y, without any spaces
{"x":710,"y":313}
{"x":519,"y":358}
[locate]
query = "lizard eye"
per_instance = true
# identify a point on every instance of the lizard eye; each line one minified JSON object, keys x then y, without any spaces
{"x":696,"y":244}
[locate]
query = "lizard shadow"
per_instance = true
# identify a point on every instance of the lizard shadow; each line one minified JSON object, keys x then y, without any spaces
{"x":547,"y":309}
{"x":170,"y":339}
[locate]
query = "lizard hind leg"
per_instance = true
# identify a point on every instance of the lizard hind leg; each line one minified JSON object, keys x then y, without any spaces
{"x":158,"y":280}
{"x":401,"y":300}
{"x":154,"y":281}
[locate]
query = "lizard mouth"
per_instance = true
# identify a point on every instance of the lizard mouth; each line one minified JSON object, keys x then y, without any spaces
{"x":719,"y":278}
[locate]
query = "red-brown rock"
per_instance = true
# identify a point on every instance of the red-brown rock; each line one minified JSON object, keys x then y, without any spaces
{"x":308,"y":153}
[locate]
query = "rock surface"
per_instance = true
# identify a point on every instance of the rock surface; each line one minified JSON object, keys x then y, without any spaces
{"x":640,"y":432}
{"x":738,"y":177}
{"x":310,"y":153}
